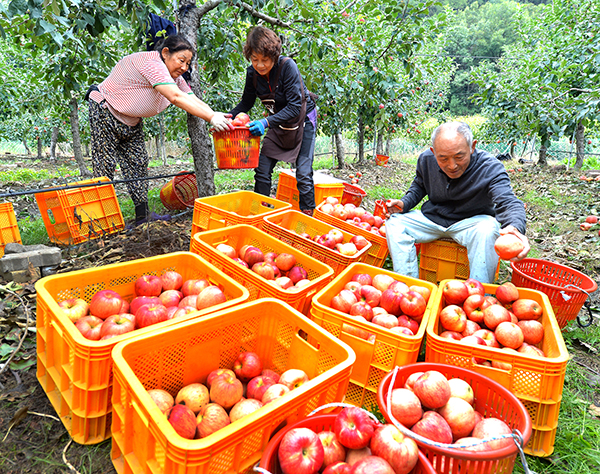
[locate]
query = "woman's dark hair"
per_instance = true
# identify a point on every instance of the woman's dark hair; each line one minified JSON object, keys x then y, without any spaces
{"x":174,"y":43}
{"x":264,"y":42}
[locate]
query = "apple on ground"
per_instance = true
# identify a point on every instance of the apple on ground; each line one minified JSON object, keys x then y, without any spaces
{"x":183,"y":421}
{"x":247,"y":366}
{"x":90,"y":327}
{"x":105,"y":303}
{"x":211,"y":418}
{"x":74,"y":308}
{"x":405,"y":406}
{"x":433,"y":389}
{"x":116,"y":325}
{"x":400,"y":451}
{"x":163,"y":399}
{"x":244,"y":407}
{"x":194,"y":396}
{"x":226,"y":390}
{"x":353,"y":428}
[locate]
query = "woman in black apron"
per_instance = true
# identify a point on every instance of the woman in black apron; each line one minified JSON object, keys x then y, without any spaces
{"x":292,"y":119}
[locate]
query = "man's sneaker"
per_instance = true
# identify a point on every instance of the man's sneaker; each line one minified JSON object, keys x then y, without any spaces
{"x":308,"y":212}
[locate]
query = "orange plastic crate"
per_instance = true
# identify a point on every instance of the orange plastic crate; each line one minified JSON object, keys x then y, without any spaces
{"x":287,"y":225}
{"x":553,"y":279}
{"x":444,"y":259}
{"x":319,"y":423}
{"x":375,"y":357}
{"x":144,"y":441}
{"x":325,"y":185}
{"x":75,"y":372}
{"x":9,"y":231}
{"x":236,"y":149}
{"x":378,"y":251}
{"x":72,"y":216}
{"x":241,"y":207}
{"x":541,"y":443}
{"x":204,"y":243}
{"x":491,"y":400}
{"x":531,"y":378}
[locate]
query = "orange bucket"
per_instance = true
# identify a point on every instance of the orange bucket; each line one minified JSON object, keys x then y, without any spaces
{"x":352,"y":194}
{"x":381,"y":160}
{"x":180,"y":192}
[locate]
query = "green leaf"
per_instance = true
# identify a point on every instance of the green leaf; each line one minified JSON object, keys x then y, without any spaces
{"x":22,"y":363}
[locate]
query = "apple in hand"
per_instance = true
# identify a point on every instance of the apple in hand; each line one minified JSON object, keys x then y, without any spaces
{"x":401,"y":452}
{"x":247,"y":366}
{"x":74,"y":308}
{"x":90,"y":327}
{"x":300,"y":451}
{"x":116,"y":325}
{"x":508,"y":246}
{"x":148,"y":285}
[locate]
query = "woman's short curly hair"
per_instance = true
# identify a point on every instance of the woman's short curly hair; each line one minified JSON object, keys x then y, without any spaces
{"x":262,"y":41}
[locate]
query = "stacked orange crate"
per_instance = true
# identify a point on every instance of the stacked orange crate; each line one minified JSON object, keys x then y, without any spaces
{"x":9,"y":231}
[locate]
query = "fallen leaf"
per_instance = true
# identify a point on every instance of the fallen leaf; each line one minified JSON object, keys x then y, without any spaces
{"x":594,"y":410}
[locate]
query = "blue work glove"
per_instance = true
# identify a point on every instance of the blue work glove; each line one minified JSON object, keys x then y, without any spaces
{"x":258,"y":127}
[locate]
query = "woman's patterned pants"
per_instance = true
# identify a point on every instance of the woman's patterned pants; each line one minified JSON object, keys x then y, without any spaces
{"x":114,"y":143}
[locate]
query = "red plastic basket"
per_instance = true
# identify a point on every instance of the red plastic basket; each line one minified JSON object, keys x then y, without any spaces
{"x":382,"y":160}
{"x":352,"y":194}
{"x":567,"y":289}
{"x":236,"y":149}
{"x":491,"y":400}
{"x":180,"y":192}
{"x":269,"y":460}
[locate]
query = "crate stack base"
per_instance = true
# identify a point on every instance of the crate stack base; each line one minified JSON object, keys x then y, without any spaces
{"x":325,"y":185}
{"x":377,"y":349}
{"x":9,"y":230}
{"x":144,"y":441}
{"x":72,"y":216}
{"x":536,"y":381}
{"x":444,"y":259}
{"x":75,"y":372}
{"x":241,"y":207}
{"x":378,"y":252}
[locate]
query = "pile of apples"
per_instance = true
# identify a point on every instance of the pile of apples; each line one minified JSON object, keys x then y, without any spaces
{"x":355,"y":215}
{"x":201,"y":409}
{"x":156,"y":299}
{"x":383,"y":301}
{"x":281,"y":270}
{"x":443,"y":410}
{"x":504,"y":321}
{"x":334,"y":240}
{"x":357,"y":444}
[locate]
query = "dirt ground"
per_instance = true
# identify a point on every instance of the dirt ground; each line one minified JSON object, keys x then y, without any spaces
{"x":35,"y":441}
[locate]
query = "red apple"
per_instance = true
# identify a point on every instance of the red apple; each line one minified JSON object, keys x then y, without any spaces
{"x":433,"y":389}
{"x":174,"y":312}
{"x":211,"y":418}
{"x":385,"y":320}
{"x":348,"y":249}
{"x":253,"y":255}
{"x":247,"y":366}
{"x":433,"y":426}
{"x":363,"y":309}
{"x":354,"y":287}
{"x":372,"y":465}
{"x":293,"y":378}
{"x":494,"y":315}
{"x":90,"y":327}
{"x":400,"y":451}
{"x":139,"y":301}
{"x":492,"y":427}
{"x":300,"y":452}
{"x":527,"y":349}
{"x":170,"y":298}
{"x":334,"y":452}
{"x":194,"y":396}
{"x":163,"y":399}
{"x":183,"y":421}
{"x":455,"y":292}
{"x":401,"y":330}
{"x":243,"y":408}
{"x":411,"y":379}
{"x":471,"y":328}
{"x":227,"y":250}
{"x":591,"y":219}
{"x":264,"y":269}
{"x":148,"y":285}
{"x":239,"y":261}
{"x":343,"y":301}
{"x":116,"y":325}
{"x":355,"y":330}
{"x":215,"y":373}
{"x":475,"y":287}
{"x":210,"y":296}
{"x":492,"y":299}
{"x":509,"y":335}
{"x":194,"y":287}
{"x":327,"y":208}
{"x":105,"y":303}
{"x":370,"y":295}
{"x":488,"y":336}
{"x":399,"y":287}
{"x":423,"y":290}
{"x":475,"y":340}
{"x":362,"y":278}
{"x":405,"y":406}
{"x":297,"y":273}
{"x":406,"y":322}
{"x":274,"y":376}
{"x":226,"y":390}
{"x":74,"y":308}
{"x":150,"y":314}
{"x":390,"y":301}
{"x":381,"y":281}
{"x":284,"y":282}
{"x":413,"y":304}
{"x":270,"y":257}
{"x":359,"y":241}
{"x":285,"y":261}
{"x":508,"y":246}
{"x":533,"y":331}
{"x":274,"y":392}
{"x":257,"y":386}
{"x":453,"y":318}
{"x":171,"y":280}
{"x":461,"y":389}
{"x":337,"y":235}
{"x":355,"y":455}
{"x":525,"y":309}
{"x":353,"y":428}
{"x":189,"y":301}
{"x":507,"y":293}
{"x":327,"y":240}
{"x":460,"y":416}
{"x":474,"y":306}
{"x":457,"y":336}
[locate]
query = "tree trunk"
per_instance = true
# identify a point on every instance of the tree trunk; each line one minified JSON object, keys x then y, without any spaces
{"x":379,"y":143}
{"x":542,"y":161}
{"x":53,"y":142}
{"x":83,"y":170}
{"x":340,"y":152}
{"x":163,"y":150}
{"x":579,"y":145}
{"x":26,"y":146}
{"x":388,"y":145}
{"x":86,"y":147}
{"x":199,"y":137}
{"x":361,"y":141}
{"x":39,"y":148}
{"x":513,"y":149}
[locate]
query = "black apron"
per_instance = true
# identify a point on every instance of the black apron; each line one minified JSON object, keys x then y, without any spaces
{"x":282,"y":142}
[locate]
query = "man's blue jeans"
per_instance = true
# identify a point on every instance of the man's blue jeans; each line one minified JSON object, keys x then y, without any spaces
{"x":477,"y":234}
{"x":304,"y":171}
